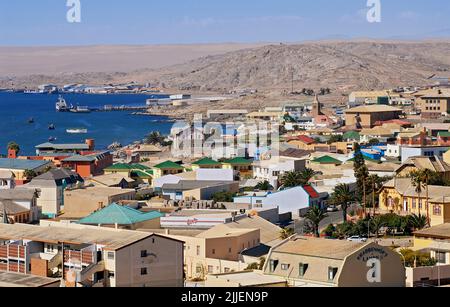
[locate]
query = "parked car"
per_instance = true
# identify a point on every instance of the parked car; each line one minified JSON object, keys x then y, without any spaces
{"x":332,"y":209}
{"x":357,"y":239}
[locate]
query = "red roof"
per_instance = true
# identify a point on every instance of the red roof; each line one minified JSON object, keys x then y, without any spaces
{"x":303,"y":138}
{"x":394,"y":121}
{"x":311,"y":191}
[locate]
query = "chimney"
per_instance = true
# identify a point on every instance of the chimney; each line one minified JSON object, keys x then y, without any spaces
{"x":91,"y":144}
{"x":12,"y":154}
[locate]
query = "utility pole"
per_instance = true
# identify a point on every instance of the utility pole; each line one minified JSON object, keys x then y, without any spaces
{"x":364,"y":197}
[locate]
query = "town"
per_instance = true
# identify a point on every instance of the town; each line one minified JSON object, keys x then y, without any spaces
{"x":307,"y":194}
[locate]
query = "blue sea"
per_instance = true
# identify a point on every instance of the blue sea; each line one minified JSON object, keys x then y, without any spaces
{"x":105,"y":127}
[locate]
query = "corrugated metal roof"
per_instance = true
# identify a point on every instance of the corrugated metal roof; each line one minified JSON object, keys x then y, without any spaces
{"x":21,"y":164}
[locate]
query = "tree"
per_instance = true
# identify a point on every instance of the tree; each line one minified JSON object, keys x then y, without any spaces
{"x":306,"y":175}
{"x":223,"y":197}
{"x":14,"y":146}
{"x":291,"y":179}
{"x":417,"y":181}
{"x":361,"y":172}
{"x":427,"y":176}
{"x":343,"y":196}
{"x":374,"y":142}
{"x":264,"y":186}
{"x":29,"y":174}
{"x":335,"y":139}
{"x":286,"y":233}
{"x":154,"y":138}
{"x":417,"y":222}
{"x":316,"y":215}
{"x":376,"y":224}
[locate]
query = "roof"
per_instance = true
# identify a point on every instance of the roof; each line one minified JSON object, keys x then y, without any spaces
{"x":405,"y":188}
{"x":303,"y":138}
{"x":148,"y":148}
{"x":440,"y":231}
{"x":269,"y":232}
{"x":207,"y":162}
{"x":11,"y":207}
{"x":373,"y":109}
{"x":5,"y":174}
{"x":121,"y":215}
{"x":10,"y":279}
{"x":311,"y":191}
{"x":352,"y":135}
{"x":80,"y":158}
{"x":239,"y":161}
{"x":221,"y":231}
{"x":186,"y":185}
{"x":327,"y":160}
{"x":295,"y":153}
{"x":111,"y":179}
{"x":81,"y":146}
{"x":126,"y":167}
{"x":18,"y":194}
{"x":111,"y":238}
{"x":58,"y":175}
{"x":248,"y":278}
{"x":435,"y":164}
{"x":444,"y":134}
{"x":169,"y":165}
{"x":22,"y":164}
{"x":317,"y":247}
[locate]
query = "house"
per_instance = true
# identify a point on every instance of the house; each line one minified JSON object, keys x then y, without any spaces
{"x":50,"y":148}
{"x":314,"y":262}
{"x":138,"y":172}
{"x":19,"y":168}
{"x":89,"y":164}
{"x":7,"y":180}
{"x":271,"y":170}
{"x":392,"y":151}
{"x":301,"y":142}
{"x":414,"y":138}
{"x":296,"y":200}
{"x":197,"y":190}
{"x":227,"y":113}
{"x":91,"y":256}
{"x":16,"y":280}
{"x":326,"y":160}
{"x":381,"y":133}
{"x":443,"y":139}
{"x":206,"y":163}
{"x":407,"y":152}
{"x":123,"y":217}
{"x":240,"y":165}
{"x":435,"y":105}
{"x":267,"y":116}
{"x":167,"y":168}
{"x":81,"y":202}
{"x":20,"y":205}
{"x":367,"y":116}
{"x":201,"y":174}
{"x":147,"y":151}
{"x":400,"y":196}
{"x":434,"y":164}
{"x":366,"y":97}
{"x":114,"y":180}
{"x":294,"y":154}
{"x":51,"y":187}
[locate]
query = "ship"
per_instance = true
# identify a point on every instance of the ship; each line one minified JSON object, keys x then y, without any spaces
{"x":51,"y":139}
{"x":77,"y":131}
{"x":51,"y":127}
{"x":62,"y":106}
{"x":31,"y":120}
{"x":80,"y":109}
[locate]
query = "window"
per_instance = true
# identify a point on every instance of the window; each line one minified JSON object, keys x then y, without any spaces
{"x":227,"y":270}
{"x":198,"y":250}
{"x":273,"y":265}
{"x":111,"y":274}
{"x":285,"y":266}
{"x":210,"y":269}
{"x":332,"y":273}
{"x":441,"y":257}
{"x":144,"y":254}
{"x":213,"y":251}
{"x":144,"y":271}
{"x":437,"y":210}
{"x":302,"y":267}
{"x":229,"y":250}
{"x":110,"y":255}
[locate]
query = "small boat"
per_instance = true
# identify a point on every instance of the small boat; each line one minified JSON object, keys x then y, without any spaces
{"x":51,"y":127}
{"x":114,"y":146}
{"x":51,"y":139}
{"x":77,"y":131}
{"x":31,"y":120}
{"x":79,"y":109}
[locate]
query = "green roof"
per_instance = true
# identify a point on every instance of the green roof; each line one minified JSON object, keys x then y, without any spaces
{"x":207,"y":162}
{"x":444,"y":134}
{"x":121,"y":215}
{"x":327,"y":160}
{"x":126,"y":167}
{"x":351,"y":135}
{"x":142,"y":174}
{"x":169,"y":165}
{"x":239,"y":161}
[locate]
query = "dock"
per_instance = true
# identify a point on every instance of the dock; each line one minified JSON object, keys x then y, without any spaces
{"x":109,"y":108}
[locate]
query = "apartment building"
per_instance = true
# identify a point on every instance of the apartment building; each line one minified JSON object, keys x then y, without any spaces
{"x":88,"y":256}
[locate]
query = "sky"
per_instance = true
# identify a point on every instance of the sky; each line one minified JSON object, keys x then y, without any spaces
{"x":43,"y":22}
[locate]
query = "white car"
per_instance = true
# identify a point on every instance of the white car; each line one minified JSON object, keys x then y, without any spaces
{"x":357,"y":239}
{"x":332,"y":209}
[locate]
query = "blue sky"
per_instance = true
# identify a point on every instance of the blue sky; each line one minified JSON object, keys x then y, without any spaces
{"x":43,"y":22}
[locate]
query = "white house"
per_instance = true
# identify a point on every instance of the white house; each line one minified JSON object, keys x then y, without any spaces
{"x":271,"y":170}
{"x":7,"y":180}
{"x":295,"y":200}
{"x":427,"y":151}
{"x":393,"y":151}
{"x":202,"y":174}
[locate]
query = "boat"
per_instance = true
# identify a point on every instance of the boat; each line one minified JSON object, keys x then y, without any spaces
{"x":51,"y":127}
{"x":62,"y":106}
{"x":51,"y":139}
{"x":79,"y":109}
{"x":114,"y":146}
{"x":77,"y":131}
{"x":31,"y":120}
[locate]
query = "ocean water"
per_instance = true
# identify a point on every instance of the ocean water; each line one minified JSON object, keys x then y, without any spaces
{"x":105,"y":127}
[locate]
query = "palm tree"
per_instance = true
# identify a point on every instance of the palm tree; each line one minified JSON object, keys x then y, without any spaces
{"x":154,"y":138}
{"x":307,"y":175}
{"x":14,"y":146}
{"x":316,"y":215}
{"x":417,"y":222}
{"x":286,"y":233}
{"x":343,"y":196}
{"x":29,"y":174}
{"x":264,"y":186}
{"x":427,"y":175}
{"x":376,"y":224}
{"x":417,"y":182}
{"x":291,"y":180}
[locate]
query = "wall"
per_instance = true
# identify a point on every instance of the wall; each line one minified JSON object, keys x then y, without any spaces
{"x":418,"y":277}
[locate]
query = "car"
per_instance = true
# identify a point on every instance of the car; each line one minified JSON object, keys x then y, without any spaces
{"x":357,"y":239}
{"x":332,"y":209}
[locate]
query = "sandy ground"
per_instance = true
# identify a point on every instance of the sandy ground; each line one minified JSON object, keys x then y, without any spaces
{"x":21,"y":61}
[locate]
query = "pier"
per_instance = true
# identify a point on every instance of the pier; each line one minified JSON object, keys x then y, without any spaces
{"x":109,"y":108}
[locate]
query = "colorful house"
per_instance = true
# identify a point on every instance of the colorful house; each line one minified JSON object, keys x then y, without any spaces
{"x":167,"y":168}
{"x":327,"y":160}
{"x":241,"y":165}
{"x":89,"y":164}
{"x":206,"y":163}
{"x":135,"y":171}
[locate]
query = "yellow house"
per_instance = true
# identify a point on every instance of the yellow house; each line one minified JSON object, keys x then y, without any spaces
{"x":400,"y":196}
{"x":206,"y":163}
{"x":241,"y":165}
{"x":167,"y":168}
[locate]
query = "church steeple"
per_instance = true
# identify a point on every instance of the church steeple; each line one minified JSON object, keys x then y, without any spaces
{"x":317,"y":107}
